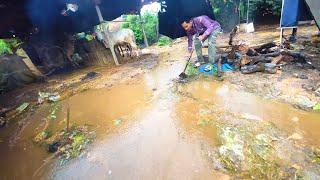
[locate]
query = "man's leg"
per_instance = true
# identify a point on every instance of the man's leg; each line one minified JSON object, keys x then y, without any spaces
{"x":198,"y":47}
{"x":212,"y":45}
{"x":293,"y":37}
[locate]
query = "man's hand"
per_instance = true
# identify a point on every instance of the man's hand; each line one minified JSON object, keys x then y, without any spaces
{"x":201,"y":38}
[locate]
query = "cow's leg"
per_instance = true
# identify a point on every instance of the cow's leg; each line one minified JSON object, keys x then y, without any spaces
{"x":130,"y":49}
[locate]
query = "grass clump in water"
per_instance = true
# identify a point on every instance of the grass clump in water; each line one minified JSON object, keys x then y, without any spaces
{"x":246,"y":155}
{"x":73,"y":142}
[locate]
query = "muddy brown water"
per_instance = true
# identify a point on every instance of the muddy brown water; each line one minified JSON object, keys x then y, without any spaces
{"x":160,"y":135}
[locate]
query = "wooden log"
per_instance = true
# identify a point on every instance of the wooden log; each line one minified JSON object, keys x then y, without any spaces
{"x":232,"y":35}
{"x":260,"y":59}
{"x":282,"y":58}
{"x":274,"y":54}
{"x":265,"y":46}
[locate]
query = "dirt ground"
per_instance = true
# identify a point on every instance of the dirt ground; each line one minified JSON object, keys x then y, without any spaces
{"x":285,"y":85}
{"x":246,"y":126}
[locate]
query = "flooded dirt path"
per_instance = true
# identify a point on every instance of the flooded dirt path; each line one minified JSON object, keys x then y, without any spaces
{"x":174,"y":135}
{"x":170,"y":130}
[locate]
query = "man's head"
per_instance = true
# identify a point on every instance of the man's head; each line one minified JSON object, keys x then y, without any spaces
{"x":186,"y":25}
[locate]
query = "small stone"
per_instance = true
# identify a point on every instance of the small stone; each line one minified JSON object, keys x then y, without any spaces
{"x":89,"y":76}
{"x":296,"y":166}
{"x":295,"y":119}
{"x":53,"y":147}
{"x":295,"y":136}
{"x":303,"y":76}
{"x":307,"y":87}
{"x":304,"y":102}
{"x":2,"y":122}
{"x":154,"y":89}
{"x":317,"y":92}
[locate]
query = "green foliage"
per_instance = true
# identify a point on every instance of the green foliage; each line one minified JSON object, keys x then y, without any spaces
{"x":226,"y":12}
{"x":134,"y":24}
{"x":265,"y":7}
{"x":226,"y":9}
{"x":7,"y":46}
{"x":150,"y":26}
{"x":22,"y":107}
{"x":74,"y":142}
{"x":4,"y":47}
{"x":164,"y":41}
{"x":191,"y":71}
{"x":317,"y":107}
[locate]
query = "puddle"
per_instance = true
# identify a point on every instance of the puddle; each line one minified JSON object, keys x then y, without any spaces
{"x":160,"y":133}
{"x":246,"y":105}
{"x":97,"y":108}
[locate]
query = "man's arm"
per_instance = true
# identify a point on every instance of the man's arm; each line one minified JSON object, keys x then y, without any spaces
{"x":190,"y":41}
{"x":209,"y":25}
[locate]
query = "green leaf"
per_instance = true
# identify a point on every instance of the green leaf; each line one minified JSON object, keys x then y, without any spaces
{"x":117,"y":122}
{"x":204,"y":122}
{"x":316,"y":107}
{"x":22,"y":107}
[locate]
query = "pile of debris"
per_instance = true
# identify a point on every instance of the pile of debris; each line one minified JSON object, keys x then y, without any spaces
{"x":268,"y":57}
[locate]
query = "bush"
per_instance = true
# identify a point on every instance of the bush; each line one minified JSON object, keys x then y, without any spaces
{"x":164,"y":41}
{"x":8,"y":46}
{"x":225,"y":10}
{"x":150,"y":27}
{"x":4,"y":47}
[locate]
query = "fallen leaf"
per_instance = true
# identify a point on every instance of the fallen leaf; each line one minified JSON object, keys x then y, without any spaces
{"x":117,"y":122}
{"x":22,"y":107}
{"x":316,"y":107}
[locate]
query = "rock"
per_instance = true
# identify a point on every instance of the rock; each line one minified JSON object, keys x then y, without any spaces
{"x":317,"y":92}
{"x":251,"y":117}
{"x":304,"y":102}
{"x":52,"y":148}
{"x":295,"y":119}
{"x":54,"y":97}
{"x":89,"y":76}
{"x":303,"y":76}
{"x":295,"y":136}
{"x":2,"y":122}
{"x":296,"y":166}
{"x":252,"y":68}
{"x":51,"y":97}
{"x":307,"y":87}
{"x":270,"y":68}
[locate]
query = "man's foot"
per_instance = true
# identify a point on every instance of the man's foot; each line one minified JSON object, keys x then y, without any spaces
{"x":197,"y":64}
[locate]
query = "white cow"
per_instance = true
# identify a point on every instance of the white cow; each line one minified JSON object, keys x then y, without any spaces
{"x":122,"y":40}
